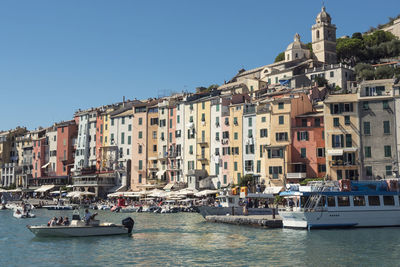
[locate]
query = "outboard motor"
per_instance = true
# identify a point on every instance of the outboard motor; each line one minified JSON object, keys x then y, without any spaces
{"x":128,"y":223}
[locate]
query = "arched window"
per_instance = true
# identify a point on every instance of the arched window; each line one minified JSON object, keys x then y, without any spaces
{"x":288,"y":57}
{"x":317,"y":34}
{"x":297,"y":56}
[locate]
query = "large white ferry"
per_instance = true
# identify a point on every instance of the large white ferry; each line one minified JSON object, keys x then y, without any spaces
{"x":352,"y":204}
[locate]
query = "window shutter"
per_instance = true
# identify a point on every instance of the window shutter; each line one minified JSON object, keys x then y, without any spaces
{"x":333,"y":141}
{"x":269,"y":153}
{"x":280,"y":169}
{"x":331,"y":108}
{"x":341,"y":140}
{"x":298,"y":136}
{"x":307,"y":136}
{"x":270,"y":170}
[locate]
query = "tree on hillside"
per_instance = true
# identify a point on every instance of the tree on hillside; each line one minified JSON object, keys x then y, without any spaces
{"x":357,"y":35}
{"x":349,"y":50}
{"x":280,"y":57}
{"x":378,"y":37}
{"x":384,"y":72}
{"x":364,"y":71}
{"x":202,"y":89}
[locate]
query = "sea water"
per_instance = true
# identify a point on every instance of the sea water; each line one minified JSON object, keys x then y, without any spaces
{"x":187,"y":239}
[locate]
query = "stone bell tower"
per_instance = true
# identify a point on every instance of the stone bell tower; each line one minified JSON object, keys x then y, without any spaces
{"x":324,"y":38}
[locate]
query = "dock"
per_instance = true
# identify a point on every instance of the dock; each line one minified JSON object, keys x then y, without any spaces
{"x":266,"y":221}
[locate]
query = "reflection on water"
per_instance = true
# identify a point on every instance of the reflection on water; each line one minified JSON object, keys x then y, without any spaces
{"x":186,"y":239}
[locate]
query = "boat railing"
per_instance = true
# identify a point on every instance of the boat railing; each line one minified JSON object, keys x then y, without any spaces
{"x":315,"y":198}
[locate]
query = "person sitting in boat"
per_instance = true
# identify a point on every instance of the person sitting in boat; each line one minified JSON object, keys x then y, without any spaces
{"x":89,"y":216}
{"x":66,"y":221}
{"x":60,"y":221}
{"x":52,"y":222}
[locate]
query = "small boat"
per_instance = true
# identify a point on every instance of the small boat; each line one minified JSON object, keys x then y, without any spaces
{"x":149,"y":208}
{"x":233,"y":205}
{"x":20,"y":214}
{"x":129,"y":209}
{"x":58,"y":207}
{"x":79,"y":228}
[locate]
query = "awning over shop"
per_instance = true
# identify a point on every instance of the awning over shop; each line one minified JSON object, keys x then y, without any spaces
{"x":117,"y":188}
{"x":273,"y":190}
{"x":169,"y":186}
{"x":45,"y":165}
{"x":78,"y":194}
{"x":335,"y":152}
{"x":44,"y":188}
{"x":206,"y":193}
{"x":350,"y":149}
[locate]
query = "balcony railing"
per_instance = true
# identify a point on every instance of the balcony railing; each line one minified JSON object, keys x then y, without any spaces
{"x":336,"y":163}
{"x":202,"y":141}
{"x":296,"y":175}
{"x":153,"y":167}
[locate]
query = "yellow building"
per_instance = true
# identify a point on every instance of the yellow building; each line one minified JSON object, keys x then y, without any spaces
{"x":342,"y":136}
{"x":236,"y":141}
{"x":262,"y":136}
{"x":203,"y":132}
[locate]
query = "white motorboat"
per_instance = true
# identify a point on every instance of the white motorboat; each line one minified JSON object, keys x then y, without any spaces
{"x":233,"y":205}
{"x":148,"y":208}
{"x":79,"y":228}
{"x":20,"y":214}
{"x":58,"y":207}
{"x":358,"y":204}
{"x":128,"y":209}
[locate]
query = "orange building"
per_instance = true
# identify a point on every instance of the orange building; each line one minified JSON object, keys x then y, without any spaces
{"x":308,"y":147}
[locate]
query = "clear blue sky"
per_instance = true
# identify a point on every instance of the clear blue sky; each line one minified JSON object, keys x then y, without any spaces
{"x":58,"y":56}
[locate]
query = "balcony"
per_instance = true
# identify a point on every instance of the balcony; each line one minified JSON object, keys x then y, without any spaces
{"x":249,"y":169}
{"x":173,"y":168}
{"x":152,"y":167}
{"x":249,"y":110}
{"x":296,"y":175}
{"x":202,"y":141}
{"x":162,"y":155}
{"x":172,"y":154}
{"x":202,"y":158}
{"x":262,"y":109}
{"x":341,"y":163}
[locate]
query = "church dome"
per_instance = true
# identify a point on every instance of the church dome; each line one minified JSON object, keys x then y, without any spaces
{"x":323,"y":16}
{"x":297,"y":44}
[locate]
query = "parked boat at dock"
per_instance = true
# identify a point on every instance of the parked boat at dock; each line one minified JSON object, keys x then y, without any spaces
{"x":233,"y":205}
{"x":344,"y":204}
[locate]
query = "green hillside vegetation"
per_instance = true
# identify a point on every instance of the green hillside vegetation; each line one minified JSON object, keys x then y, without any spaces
{"x":367,"y":48}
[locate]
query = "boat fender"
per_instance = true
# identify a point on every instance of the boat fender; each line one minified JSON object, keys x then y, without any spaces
{"x":128,"y":223}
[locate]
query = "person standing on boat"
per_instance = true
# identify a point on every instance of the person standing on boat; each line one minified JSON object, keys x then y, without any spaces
{"x":89,"y":216}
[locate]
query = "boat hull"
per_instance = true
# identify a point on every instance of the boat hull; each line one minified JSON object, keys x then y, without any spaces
{"x":340,"y":219}
{"x":80,"y":231}
{"x":55,"y":207}
{"x":208,"y":210}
